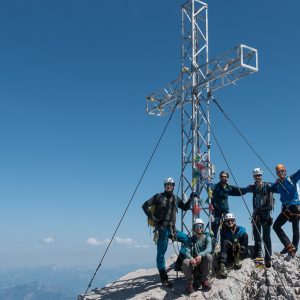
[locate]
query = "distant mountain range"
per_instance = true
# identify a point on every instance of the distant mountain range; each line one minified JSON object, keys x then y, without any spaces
{"x":54,"y":283}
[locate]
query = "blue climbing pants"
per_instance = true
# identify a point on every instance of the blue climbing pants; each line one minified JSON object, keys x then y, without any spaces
{"x":165,"y":233}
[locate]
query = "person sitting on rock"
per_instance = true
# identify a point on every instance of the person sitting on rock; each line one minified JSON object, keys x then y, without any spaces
{"x":197,"y":260}
{"x":234,"y":244}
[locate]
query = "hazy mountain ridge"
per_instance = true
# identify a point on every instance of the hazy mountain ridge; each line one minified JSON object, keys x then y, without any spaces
{"x":52,"y":282}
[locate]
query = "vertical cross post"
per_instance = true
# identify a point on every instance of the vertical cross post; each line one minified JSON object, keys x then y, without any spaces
{"x":190,"y":92}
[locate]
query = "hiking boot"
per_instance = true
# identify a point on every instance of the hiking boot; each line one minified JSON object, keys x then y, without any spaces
{"x":284,"y":251}
{"x":291,"y":250}
{"x":190,"y":288}
{"x":222,"y":270}
{"x":206,"y":286}
{"x":268,"y":264}
{"x":236,"y":264}
{"x":164,"y":279}
{"x":167,"y":283}
{"x":178,"y":264}
{"x":196,"y":284}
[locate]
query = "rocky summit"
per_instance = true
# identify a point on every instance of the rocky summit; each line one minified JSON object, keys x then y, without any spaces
{"x":281,"y":282}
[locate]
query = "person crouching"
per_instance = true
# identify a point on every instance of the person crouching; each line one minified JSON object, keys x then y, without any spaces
{"x":234,"y":244}
{"x":197,"y":260}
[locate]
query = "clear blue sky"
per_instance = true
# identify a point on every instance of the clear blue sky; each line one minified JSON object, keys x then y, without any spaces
{"x":74,"y":134}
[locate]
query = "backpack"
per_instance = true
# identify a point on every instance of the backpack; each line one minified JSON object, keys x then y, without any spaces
{"x":153,"y":207}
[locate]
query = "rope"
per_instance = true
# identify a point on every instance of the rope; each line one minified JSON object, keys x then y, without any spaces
{"x":235,"y":181}
{"x":242,"y":135}
{"x":244,"y":138}
{"x":135,"y":190}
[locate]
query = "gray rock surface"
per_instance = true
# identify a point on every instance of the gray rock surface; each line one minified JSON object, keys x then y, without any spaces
{"x":280,"y":282}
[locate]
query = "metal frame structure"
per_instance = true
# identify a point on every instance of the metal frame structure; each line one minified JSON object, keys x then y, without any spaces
{"x":191,"y":92}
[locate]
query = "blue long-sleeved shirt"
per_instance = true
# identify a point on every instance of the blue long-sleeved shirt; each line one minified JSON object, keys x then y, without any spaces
{"x":287,"y":189}
{"x":196,"y":246}
{"x":228,"y":234}
{"x":220,"y":195}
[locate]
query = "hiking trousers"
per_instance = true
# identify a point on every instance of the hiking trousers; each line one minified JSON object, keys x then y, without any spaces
{"x":281,"y":220}
{"x":164,"y":234}
{"x":228,"y":252}
{"x":201,"y":270}
{"x":262,"y":227}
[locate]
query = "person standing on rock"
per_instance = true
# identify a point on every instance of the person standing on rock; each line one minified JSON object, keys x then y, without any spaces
{"x":197,"y":260}
{"x":288,"y":189}
{"x":234,"y":244}
{"x":219,"y":200}
{"x":263,"y":203}
{"x":166,"y":205}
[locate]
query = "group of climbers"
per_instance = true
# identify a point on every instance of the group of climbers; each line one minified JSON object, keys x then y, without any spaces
{"x":195,"y":257}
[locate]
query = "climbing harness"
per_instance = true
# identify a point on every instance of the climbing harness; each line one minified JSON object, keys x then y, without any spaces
{"x":288,"y":214}
{"x":226,"y":161}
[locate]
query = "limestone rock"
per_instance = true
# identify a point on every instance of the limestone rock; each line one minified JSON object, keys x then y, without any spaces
{"x":280,"y":282}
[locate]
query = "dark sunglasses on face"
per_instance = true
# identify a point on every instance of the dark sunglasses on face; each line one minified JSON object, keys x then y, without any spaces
{"x":230,"y":221}
{"x":280,"y":172}
{"x":171,"y":184}
{"x":258,"y":175}
{"x":199,"y":226}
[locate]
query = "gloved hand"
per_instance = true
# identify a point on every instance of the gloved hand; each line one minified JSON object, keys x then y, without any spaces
{"x":243,"y":252}
{"x":194,"y":195}
{"x":243,"y":249}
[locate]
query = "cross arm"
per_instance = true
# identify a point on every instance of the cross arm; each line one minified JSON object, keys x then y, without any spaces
{"x":223,"y":70}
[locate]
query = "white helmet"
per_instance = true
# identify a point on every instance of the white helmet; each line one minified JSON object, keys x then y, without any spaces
{"x":257,"y":171}
{"x":169,"y":180}
{"x":198,"y":221}
{"x":229,"y":216}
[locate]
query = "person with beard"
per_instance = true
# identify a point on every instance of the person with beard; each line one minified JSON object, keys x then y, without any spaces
{"x":263,"y":203}
{"x":234,"y":245}
{"x":219,"y":200}
{"x":164,"y":218}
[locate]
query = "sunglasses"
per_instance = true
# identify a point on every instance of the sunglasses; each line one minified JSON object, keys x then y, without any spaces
{"x":199,"y":226}
{"x":171,"y":184}
{"x":280,"y":172}
{"x":258,"y":175}
{"x":230,"y":221}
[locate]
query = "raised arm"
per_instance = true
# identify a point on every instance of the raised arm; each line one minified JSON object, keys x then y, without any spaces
{"x":237,"y":191}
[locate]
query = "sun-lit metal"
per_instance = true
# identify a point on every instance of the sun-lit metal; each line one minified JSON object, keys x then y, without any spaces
{"x":191,"y":91}
{"x":223,"y":70}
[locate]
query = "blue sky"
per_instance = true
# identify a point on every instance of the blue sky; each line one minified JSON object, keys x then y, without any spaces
{"x":75,"y":137}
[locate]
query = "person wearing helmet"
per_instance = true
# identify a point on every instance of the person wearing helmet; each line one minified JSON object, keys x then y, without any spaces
{"x":164,"y":218}
{"x":288,"y":189}
{"x":219,"y":200}
{"x":197,"y":260}
{"x":263,"y":203}
{"x":234,"y":244}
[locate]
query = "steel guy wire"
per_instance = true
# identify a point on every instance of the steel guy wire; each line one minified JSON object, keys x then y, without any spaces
{"x":244,"y":138}
{"x":135,"y":190}
{"x":235,"y":181}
